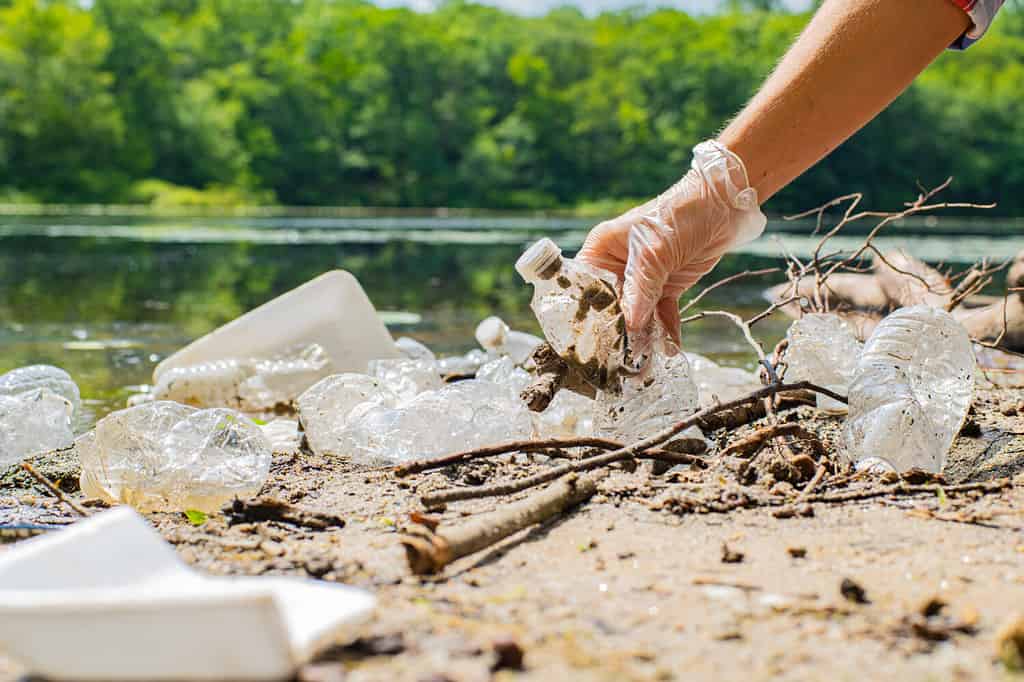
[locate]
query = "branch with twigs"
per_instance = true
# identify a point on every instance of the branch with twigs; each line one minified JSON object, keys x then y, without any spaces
{"x":442,"y":497}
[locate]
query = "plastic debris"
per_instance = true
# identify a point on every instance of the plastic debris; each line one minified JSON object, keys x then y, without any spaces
{"x":24,"y":379}
{"x":331,"y":311}
{"x":359,"y":417}
{"x":34,"y":421}
{"x":568,"y":415}
{"x":719,"y":384}
{"x":414,"y":350}
{"x":911,"y":390}
{"x":495,"y":337}
{"x":406,"y":378}
{"x":164,"y":456}
{"x":578,"y":309}
{"x":325,"y":408}
{"x":283,"y":435}
{"x":823,"y":349}
{"x":462,"y":365}
{"x":251,"y":385}
{"x":117,"y":603}
{"x":650,"y":404}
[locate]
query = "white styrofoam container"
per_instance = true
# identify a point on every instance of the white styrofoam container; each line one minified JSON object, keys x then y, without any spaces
{"x":331,"y":310}
{"x":108,"y":599}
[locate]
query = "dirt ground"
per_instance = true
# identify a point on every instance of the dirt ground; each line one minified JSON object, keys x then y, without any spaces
{"x":681,"y":576}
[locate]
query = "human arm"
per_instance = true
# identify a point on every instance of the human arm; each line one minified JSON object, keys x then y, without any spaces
{"x":852,"y":60}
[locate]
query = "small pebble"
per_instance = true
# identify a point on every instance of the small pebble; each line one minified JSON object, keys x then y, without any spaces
{"x":797,"y":552}
{"x":853,"y":592}
{"x":730,"y":556}
{"x":508,"y":654}
{"x":1008,"y":409}
{"x":1010,"y":643}
{"x":971,"y":429}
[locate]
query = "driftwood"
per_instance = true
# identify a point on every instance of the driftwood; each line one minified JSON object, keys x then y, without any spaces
{"x":908,"y":281}
{"x":429,"y":550}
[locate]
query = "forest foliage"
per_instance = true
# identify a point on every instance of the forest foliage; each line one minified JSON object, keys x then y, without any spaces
{"x":341,"y":102}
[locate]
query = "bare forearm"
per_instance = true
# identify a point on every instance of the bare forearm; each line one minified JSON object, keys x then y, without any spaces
{"x":851,"y":61}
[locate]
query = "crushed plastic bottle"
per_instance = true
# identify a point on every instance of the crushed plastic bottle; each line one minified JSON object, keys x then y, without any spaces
{"x":325,"y":409}
{"x":719,"y":384}
{"x":495,"y":337}
{"x":911,"y":390}
{"x":165,"y":456}
{"x":25,"y":379}
{"x":33,"y":421}
{"x":648,"y":404}
{"x":568,"y":415}
{"x":414,"y":350}
{"x":823,"y":349}
{"x":251,"y":385}
{"x":578,"y":309}
{"x":406,"y":378}
{"x":462,"y":365}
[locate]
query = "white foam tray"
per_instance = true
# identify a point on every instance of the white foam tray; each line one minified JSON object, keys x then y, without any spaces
{"x":331,"y":310}
{"x":108,"y":599}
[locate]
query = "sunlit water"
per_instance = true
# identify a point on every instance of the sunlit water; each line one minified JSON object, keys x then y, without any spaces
{"x":107,"y":297}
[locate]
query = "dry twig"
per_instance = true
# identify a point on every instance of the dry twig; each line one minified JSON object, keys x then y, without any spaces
{"x":430,"y":549}
{"x":57,"y":492}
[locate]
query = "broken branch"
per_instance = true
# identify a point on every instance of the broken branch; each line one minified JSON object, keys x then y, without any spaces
{"x":430,"y":550}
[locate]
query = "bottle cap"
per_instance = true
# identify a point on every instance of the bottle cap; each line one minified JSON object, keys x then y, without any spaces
{"x":537,"y":261}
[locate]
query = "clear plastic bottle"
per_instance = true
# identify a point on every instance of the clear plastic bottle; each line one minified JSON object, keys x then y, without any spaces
{"x":911,"y":390}
{"x":578,"y":309}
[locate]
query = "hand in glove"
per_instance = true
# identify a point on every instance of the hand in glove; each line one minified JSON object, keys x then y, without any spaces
{"x":660,"y":249}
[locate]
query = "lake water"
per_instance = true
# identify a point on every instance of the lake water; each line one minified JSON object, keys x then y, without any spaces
{"x":107,"y":297}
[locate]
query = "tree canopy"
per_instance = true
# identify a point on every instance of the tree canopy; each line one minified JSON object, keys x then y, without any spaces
{"x":341,"y":102}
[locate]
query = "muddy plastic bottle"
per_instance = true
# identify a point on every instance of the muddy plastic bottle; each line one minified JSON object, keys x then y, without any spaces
{"x":578,"y":309}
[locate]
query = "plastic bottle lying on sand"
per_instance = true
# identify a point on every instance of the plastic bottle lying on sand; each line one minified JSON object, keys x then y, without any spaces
{"x":911,"y":390}
{"x":249,"y":384}
{"x":824,"y":350}
{"x":578,"y":309}
{"x":164,"y":456}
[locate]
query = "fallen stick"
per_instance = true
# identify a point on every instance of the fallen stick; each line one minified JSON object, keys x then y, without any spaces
{"x":57,"y":492}
{"x":750,"y":445}
{"x":686,"y":448}
{"x":903,"y":489}
{"x":431,"y":500}
{"x":429,"y":550}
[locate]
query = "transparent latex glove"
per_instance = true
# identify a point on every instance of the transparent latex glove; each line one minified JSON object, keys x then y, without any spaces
{"x":660,"y":249}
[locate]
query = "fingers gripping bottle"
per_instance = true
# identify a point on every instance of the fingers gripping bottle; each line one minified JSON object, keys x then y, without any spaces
{"x":578,"y":308}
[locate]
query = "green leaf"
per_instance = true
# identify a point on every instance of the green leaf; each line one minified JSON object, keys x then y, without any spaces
{"x":943,"y":500}
{"x":258,"y":422}
{"x":195,"y":517}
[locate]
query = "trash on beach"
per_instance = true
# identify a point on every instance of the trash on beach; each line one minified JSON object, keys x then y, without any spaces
{"x":38,"y":404}
{"x":911,"y":390}
{"x":650,"y":404}
{"x":716,"y":383}
{"x":164,"y":456}
{"x":360,"y":416}
{"x":250,"y":385}
{"x":108,"y":599}
{"x":331,"y":311}
{"x":578,"y":309}
{"x":824,"y":350}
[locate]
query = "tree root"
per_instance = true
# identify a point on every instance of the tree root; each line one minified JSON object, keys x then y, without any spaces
{"x":433,"y":500}
{"x":429,"y":550}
